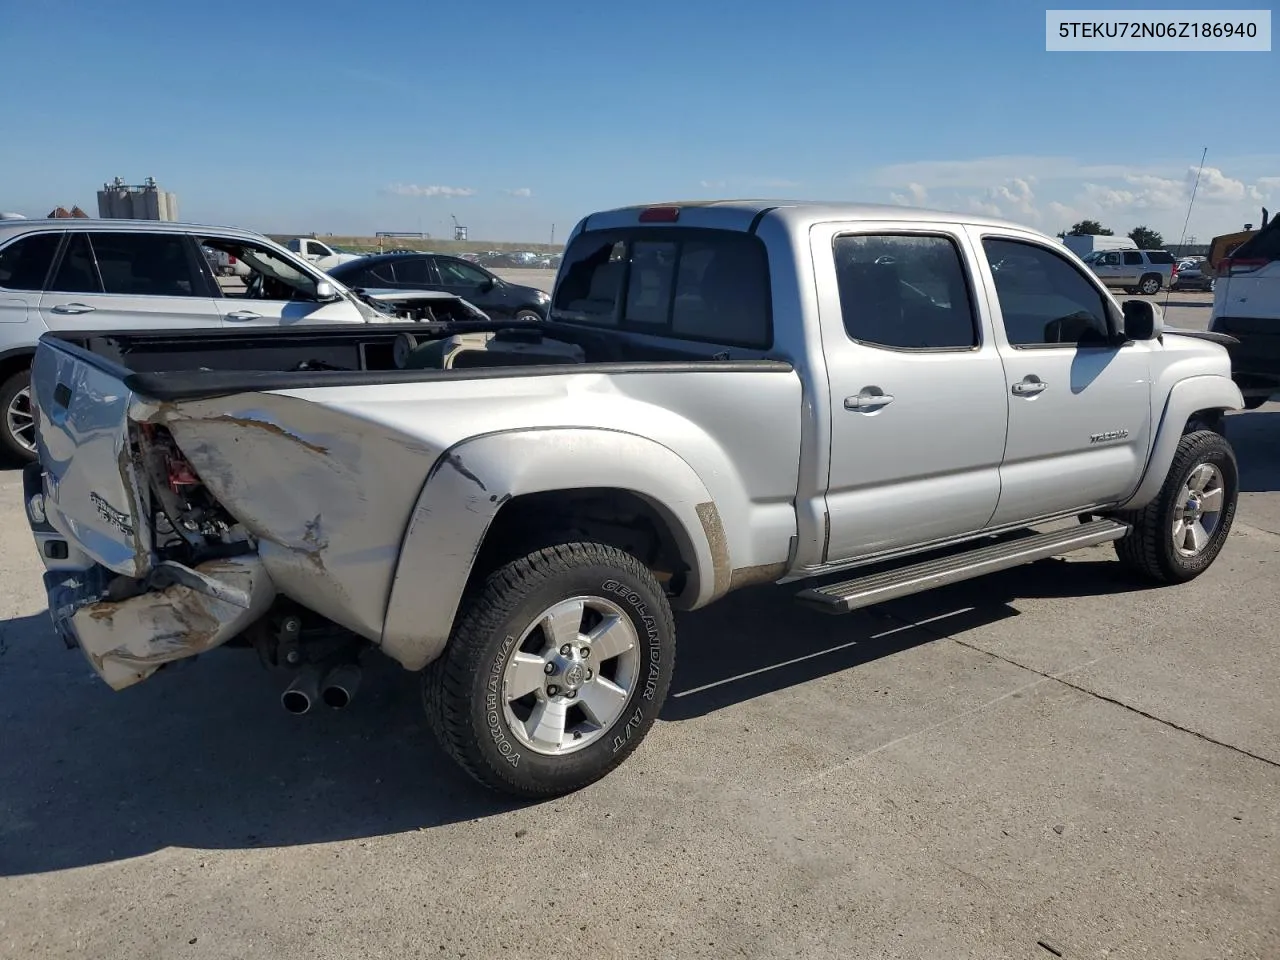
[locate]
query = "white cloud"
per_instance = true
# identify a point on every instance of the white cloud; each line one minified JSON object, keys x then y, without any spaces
{"x":712,"y":184}
{"x":1269,"y":186}
{"x":414,"y":190}
{"x":985,"y":171}
{"x":1217,"y":187}
{"x":519,"y":192}
{"x":915,"y":196}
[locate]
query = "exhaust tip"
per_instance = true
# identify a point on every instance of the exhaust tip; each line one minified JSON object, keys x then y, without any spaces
{"x":335,"y":697}
{"x":295,"y":701}
{"x":339,"y":686}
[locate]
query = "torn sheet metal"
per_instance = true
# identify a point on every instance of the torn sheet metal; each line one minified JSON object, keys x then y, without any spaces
{"x":128,"y":640}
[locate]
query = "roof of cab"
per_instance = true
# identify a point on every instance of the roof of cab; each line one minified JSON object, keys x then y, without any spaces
{"x":740,"y":214}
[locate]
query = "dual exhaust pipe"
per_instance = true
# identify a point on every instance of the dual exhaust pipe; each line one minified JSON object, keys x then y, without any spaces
{"x":334,"y":687}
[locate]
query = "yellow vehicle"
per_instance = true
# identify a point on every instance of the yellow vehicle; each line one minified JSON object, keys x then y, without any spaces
{"x":1222,"y":246}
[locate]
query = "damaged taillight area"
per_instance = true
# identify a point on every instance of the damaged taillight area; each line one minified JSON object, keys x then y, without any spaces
{"x":188,"y":524}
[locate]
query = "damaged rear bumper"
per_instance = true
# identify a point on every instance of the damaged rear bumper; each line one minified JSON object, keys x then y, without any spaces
{"x":188,"y":611}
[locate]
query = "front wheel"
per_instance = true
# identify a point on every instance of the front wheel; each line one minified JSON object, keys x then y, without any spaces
{"x":556,"y":670}
{"x":528,"y":316}
{"x":18,"y":429}
{"x":1180,"y":533}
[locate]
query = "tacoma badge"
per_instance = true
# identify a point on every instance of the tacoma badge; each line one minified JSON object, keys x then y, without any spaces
{"x":1109,"y":435}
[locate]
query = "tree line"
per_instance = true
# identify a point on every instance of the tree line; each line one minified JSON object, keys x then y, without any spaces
{"x":1143,"y":237}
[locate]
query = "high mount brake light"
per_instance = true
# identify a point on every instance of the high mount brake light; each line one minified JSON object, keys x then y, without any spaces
{"x":660,"y":215}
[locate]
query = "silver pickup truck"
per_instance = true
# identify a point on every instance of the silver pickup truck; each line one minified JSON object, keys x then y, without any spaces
{"x":724,"y":394}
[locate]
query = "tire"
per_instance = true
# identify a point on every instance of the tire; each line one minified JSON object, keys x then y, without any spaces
{"x":17,"y":428}
{"x":465,"y":691}
{"x":1149,"y":548}
{"x":528,"y":315}
{"x":1150,"y":285}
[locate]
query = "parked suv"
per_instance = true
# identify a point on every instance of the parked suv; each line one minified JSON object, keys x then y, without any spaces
{"x":69,"y":276}
{"x":1134,"y":271}
{"x":1246,"y":305}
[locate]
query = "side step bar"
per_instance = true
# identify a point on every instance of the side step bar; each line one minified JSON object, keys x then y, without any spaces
{"x":877,"y":588}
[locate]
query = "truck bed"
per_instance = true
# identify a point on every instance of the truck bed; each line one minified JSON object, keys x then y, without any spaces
{"x":189,"y":364}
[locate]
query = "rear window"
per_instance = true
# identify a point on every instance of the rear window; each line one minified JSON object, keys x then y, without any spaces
{"x":1264,"y":245}
{"x":1159,"y":256}
{"x":703,"y":285}
{"x":25,"y":263}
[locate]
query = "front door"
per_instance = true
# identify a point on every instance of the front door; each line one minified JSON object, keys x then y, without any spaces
{"x":468,"y":281}
{"x":127,"y":281}
{"x":916,"y":387}
{"x":273,"y":292}
{"x":1079,"y":402}
{"x":1109,"y":269}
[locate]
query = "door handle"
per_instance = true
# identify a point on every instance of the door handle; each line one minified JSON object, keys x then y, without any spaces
{"x":868,"y":401}
{"x":1030,"y":386}
{"x":73,"y":308}
{"x":242,"y":315}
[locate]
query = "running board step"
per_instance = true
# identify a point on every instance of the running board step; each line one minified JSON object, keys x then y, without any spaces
{"x":877,"y":588}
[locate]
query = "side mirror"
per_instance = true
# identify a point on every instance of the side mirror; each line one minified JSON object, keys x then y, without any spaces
{"x":325,"y":291}
{"x":488,"y":284}
{"x":1143,"y":319}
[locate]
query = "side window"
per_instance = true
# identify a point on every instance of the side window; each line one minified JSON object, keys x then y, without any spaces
{"x":1043,"y":298}
{"x":145,"y":264}
{"x":409,"y":270}
{"x":77,"y":273}
{"x":267,"y":275}
{"x":457,"y":273}
{"x":905,"y":292}
{"x":1109,"y":260}
{"x":1159,"y":256}
{"x":1133,"y":259}
{"x":25,"y":263}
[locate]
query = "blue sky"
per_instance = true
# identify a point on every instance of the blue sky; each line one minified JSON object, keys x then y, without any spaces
{"x":514,"y":115}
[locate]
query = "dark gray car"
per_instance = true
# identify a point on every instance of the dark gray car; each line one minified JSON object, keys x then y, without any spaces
{"x":498,"y":298}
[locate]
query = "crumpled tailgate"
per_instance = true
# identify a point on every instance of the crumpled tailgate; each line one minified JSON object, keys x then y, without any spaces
{"x":93,"y":493}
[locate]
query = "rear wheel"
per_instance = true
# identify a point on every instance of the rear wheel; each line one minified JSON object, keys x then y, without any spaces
{"x":556,"y":670}
{"x":1150,"y":284}
{"x":1180,"y":533}
{"x":18,"y":429}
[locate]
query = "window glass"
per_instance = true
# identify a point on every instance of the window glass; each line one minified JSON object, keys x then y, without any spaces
{"x":25,"y":263}
{"x":1132,"y":259}
{"x":702,"y":285}
{"x":722,"y":292}
{"x":1263,"y":245}
{"x":457,"y":273}
{"x":1043,"y":298}
{"x":907,"y":292}
{"x":591,"y":280}
{"x":1159,"y":256}
{"x":266,"y":274}
{"x":653,"y":272}
{"x":144,"y":264}
{"x":1109,"y":260}
{"x":409,"y":270}
{"x":77,"y":272}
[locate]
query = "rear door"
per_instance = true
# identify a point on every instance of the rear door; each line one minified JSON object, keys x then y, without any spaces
{"x":25,"y":264}
{"x":916,"y":387}
{"x":128,"y":281}
{"x":1079,"y":402}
